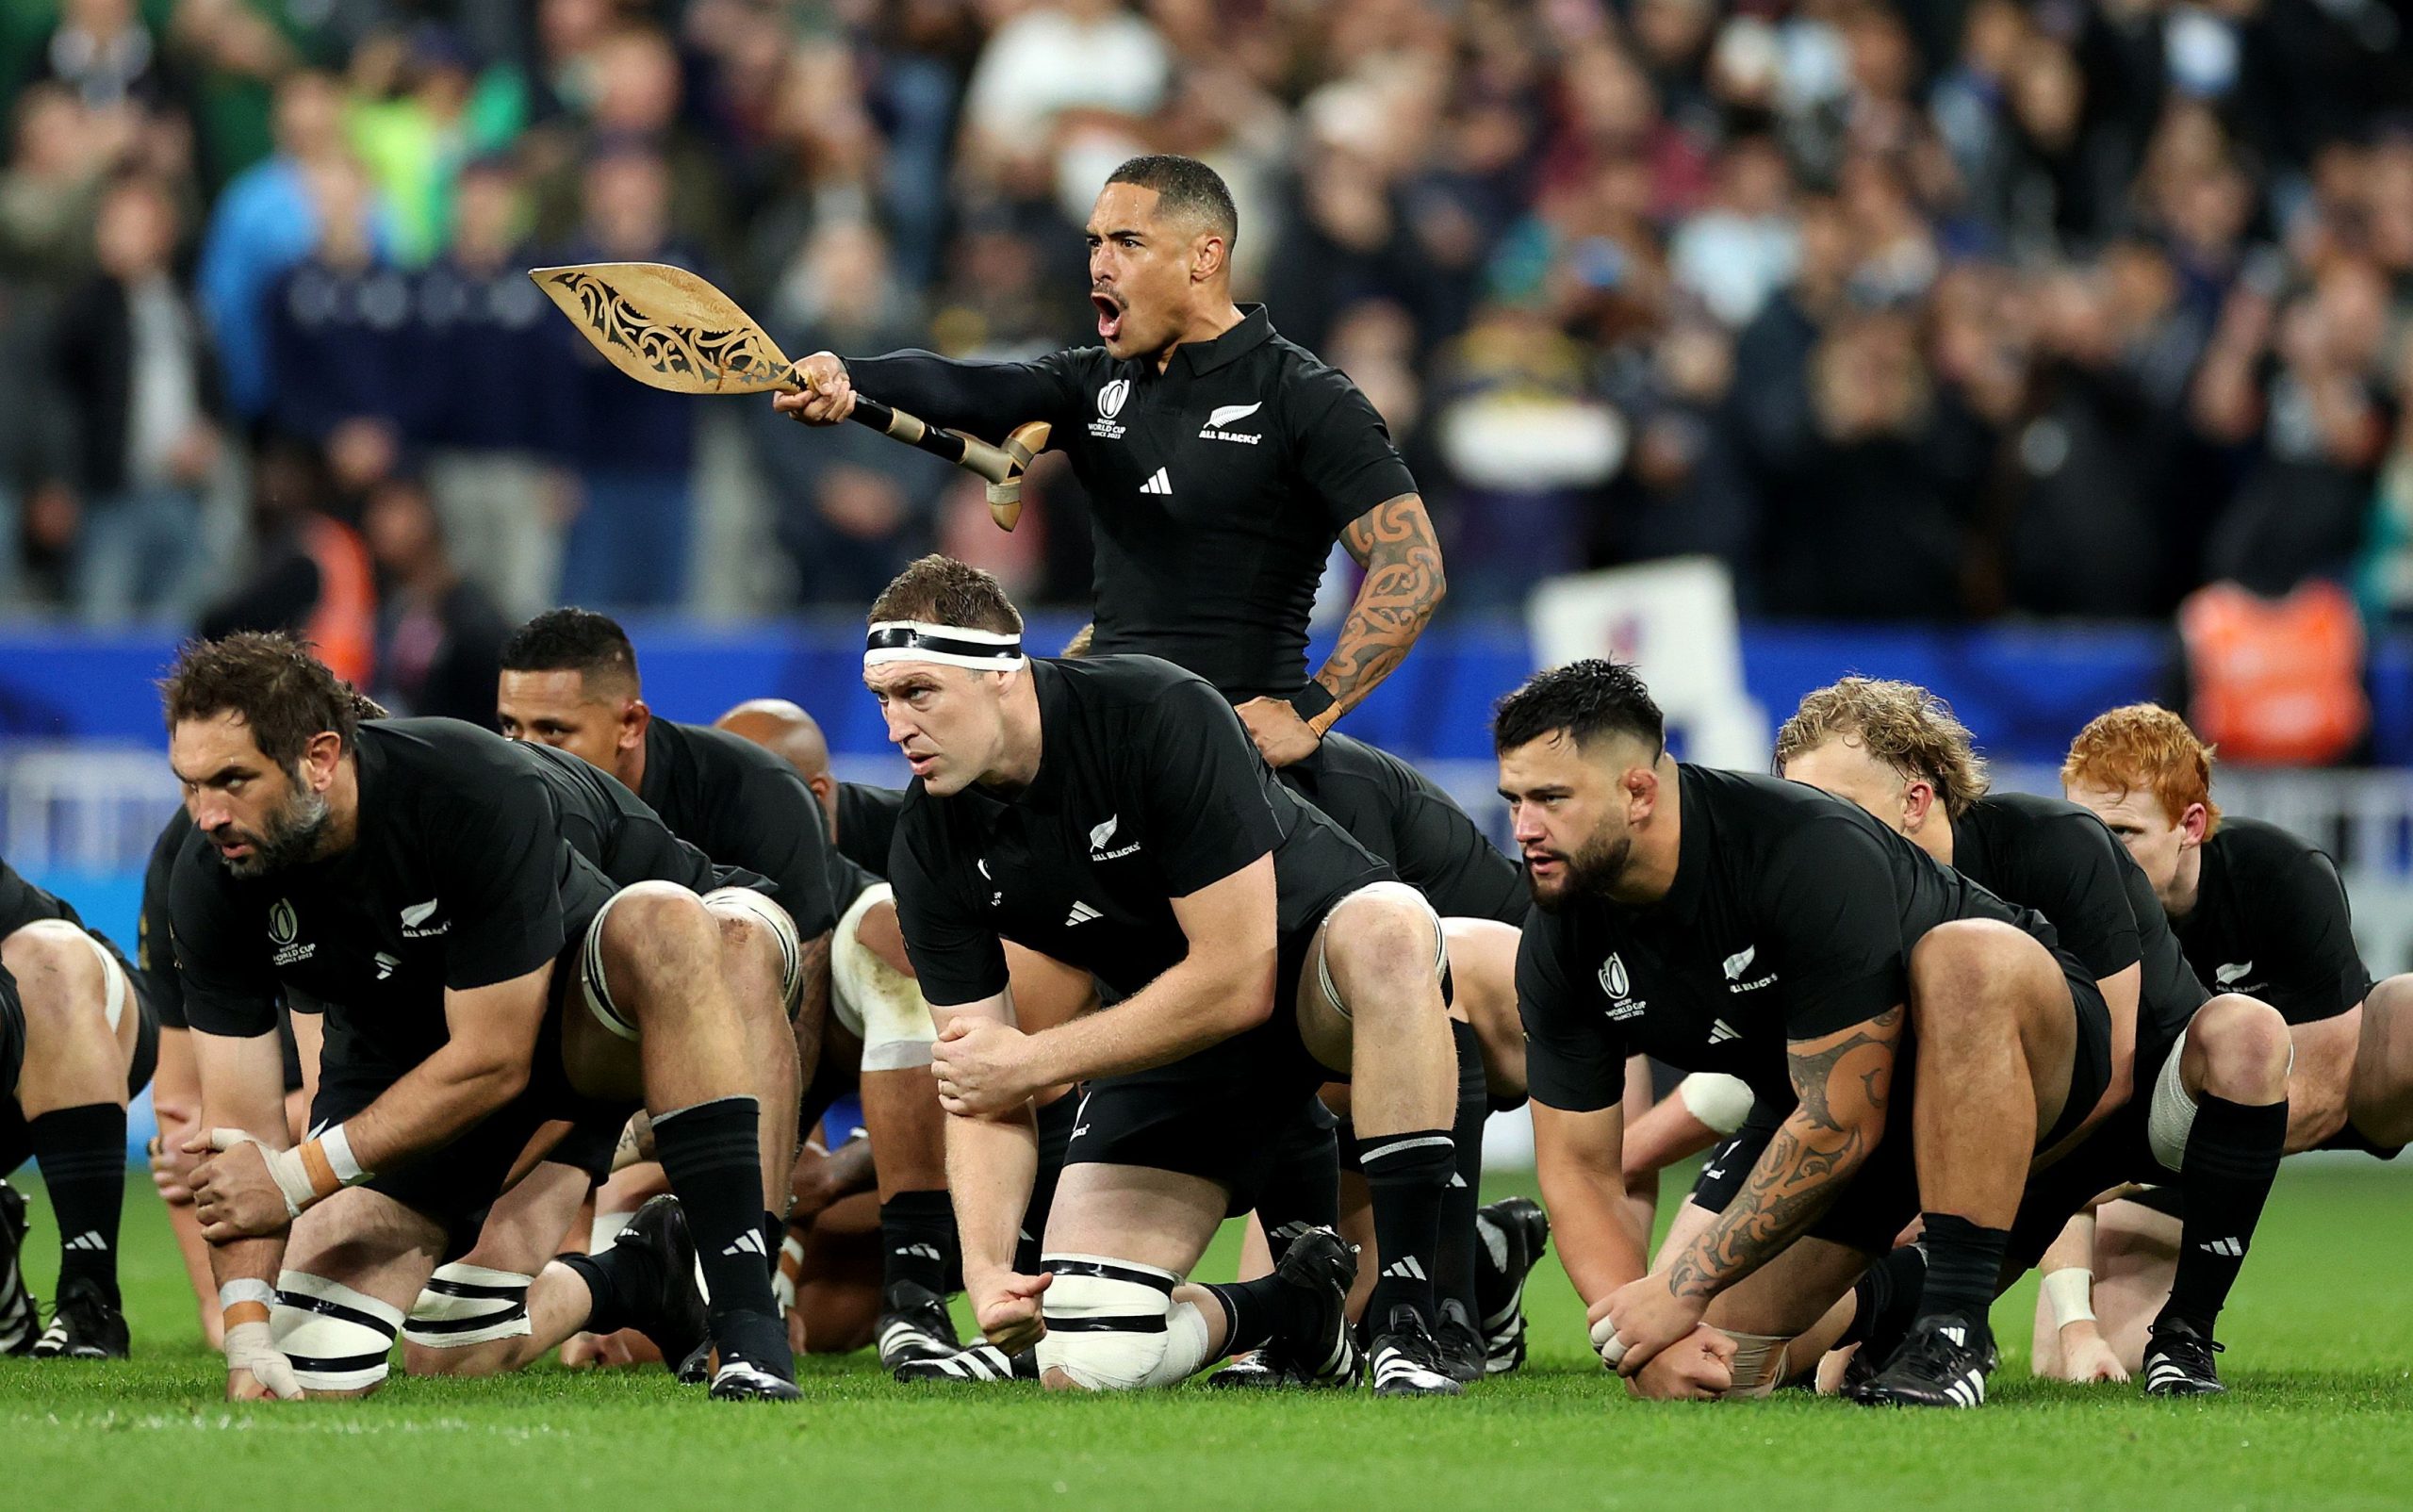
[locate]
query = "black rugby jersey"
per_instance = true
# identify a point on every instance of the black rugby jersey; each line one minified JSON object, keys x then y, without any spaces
{"x":1405,"y":818}
{"x":2271,"y":919}
{"x":476,"y":861}
{"x":742,"y":806}
{"x":1148,"y":789}
{"x":1216,"y":487}
{"x":154,"y":949}
{"x":1792,"y":916}
{"x":867,"y":823}
{"x":2058,"y":859}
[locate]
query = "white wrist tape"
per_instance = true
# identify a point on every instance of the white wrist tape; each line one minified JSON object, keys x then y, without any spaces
{"x":1760,"y":1361}
{"x":249,"y":1347}
{"x":317,"y":1168}
{"x":248,"y":1289}
{"x":2072,"y":1296}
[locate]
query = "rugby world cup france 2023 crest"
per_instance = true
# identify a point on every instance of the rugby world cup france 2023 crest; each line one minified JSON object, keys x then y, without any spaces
{"x":1111,"y":400}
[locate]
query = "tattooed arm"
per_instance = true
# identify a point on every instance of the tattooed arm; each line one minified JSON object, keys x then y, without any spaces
{"x":1843,"y":1079}
{"x":1404,"y":583}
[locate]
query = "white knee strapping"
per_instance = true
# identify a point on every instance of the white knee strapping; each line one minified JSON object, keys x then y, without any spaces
{"x":745,"y":901}
{"x":881,"y":1005}
{"x":114,"y":1003}
{"x":1720,"y":1101}
{"x":465,"y":1305}
{"x":2172,"y":1116}
{"x":338,"y":1339}
{"x":1113,"y":1327}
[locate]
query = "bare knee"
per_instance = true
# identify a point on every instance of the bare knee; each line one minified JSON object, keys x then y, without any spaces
{"x":1382,"y":949}
{"x":60,"y":977}
{"x":1958,"y":971}
{"x":660,"y":931}
{"x":2238,"y":1048}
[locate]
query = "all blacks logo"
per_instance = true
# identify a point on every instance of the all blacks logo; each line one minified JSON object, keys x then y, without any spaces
{"x":1619,"y":989}
{"x":1111,"y":400}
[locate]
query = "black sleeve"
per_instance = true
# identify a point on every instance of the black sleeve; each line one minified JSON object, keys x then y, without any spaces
{"x":229,"y":986}
{"x":154,"y":948}
{"x":2083,"y":893}
{"x":2316,"y":972}
{"x":1344,"y":453}
{"x":496,"y":854}
{"x":1204,"y":789}
{"x":1574,"y":1052}
{"x":790,"y":847}
{"x":957,"y":956}
{"x":867,"y":823}
{"x":981,"y":399}
{"x":1829,"y":923}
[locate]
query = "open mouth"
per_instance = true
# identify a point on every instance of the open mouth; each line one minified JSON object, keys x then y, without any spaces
{"x":1110,"y":315}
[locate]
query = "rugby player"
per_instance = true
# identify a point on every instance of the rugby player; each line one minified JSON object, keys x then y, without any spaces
{"x":1221,"y":462}
{"x":175,"y":1086}
{"x":570,"y":681}
{"x":504,"y":941}
{"x":78,"y":1039}
{"x":2257,"y":911}
{"x":878,"y":1012}
{"x":2210,"y":1111}
{"x":1113,"y":813}
{"x":1738,"y":923}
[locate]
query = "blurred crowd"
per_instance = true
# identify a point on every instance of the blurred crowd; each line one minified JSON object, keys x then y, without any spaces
{"x":1941,"y":309}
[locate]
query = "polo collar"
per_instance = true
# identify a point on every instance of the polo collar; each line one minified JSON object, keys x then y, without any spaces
{"x":1254,"y":330}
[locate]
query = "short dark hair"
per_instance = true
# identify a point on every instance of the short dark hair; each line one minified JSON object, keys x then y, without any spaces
{"x":572,"y":640}
{"x":286,"y":695}
{"x":1587,"y":699}
{"x":1184,"y":186}
{"x":940,"y":590}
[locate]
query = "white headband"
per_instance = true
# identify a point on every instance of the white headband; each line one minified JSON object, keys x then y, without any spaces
{"x":912,"y":640}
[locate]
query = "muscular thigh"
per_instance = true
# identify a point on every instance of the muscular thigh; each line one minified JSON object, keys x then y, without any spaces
{"x":1161,"y":1219}
{"x":368,"y":1242}
{"x":2325,"y":1067}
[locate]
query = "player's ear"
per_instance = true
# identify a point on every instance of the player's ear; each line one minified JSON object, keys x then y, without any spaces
{"x":2195,"y":823}
{"x":319,"y":759}
{"x":1208,"y":256}
{"x":634,"y":718}
{"x":1918,"y":798}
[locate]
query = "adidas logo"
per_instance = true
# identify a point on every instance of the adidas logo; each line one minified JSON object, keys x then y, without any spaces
{"x":2230,"y":1247}
{"x":88,"y":1239}
{"x":1157,"y":483}
{"x":749,"y":1242}
{"x":1958,"y":1335}
{"x":1081,"y":913}
{"x":1720,"y":1031}
{"x":1457,"y":1182}
{"x":1970,"y":1391}
{"x":1404,"y":1269}
{"x":920,"y":1252}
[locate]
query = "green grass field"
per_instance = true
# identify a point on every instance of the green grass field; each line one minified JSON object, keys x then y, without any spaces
{"x":2321,"y":1360}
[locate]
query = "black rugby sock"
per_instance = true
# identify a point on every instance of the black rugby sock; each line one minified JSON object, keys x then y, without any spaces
{"x":2232,"y":1158}
{"x":1256,"y":1313}
{"x":1455,"y":1277}
{"x":82,"y":1151}
{"x":710,"y":1152}
{"x":916,"y":1239}
{"x":1963,"y":1267}
{"x":1407,"y":1173}
{"x":1885,"y":1302}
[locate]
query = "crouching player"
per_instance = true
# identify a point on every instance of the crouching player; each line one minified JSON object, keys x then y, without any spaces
{"x":505,"y":940}
{"x":1113,"y":813}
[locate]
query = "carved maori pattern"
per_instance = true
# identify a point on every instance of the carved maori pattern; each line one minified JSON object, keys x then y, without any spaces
{"x":715,"y":356}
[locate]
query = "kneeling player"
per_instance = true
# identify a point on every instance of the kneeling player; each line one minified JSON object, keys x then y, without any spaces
{"x":1736,"y":923}
{"x":2210,"y":1111}
{"x":2257,"y":911}
{"x":77,"y":1040}
{"x":1113,"y":815}
{"x":504,"y":939}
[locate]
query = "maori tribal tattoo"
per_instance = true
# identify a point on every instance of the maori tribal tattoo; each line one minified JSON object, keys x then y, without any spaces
{"x":1394,"y":543}
{"x":1844,"y":1083}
